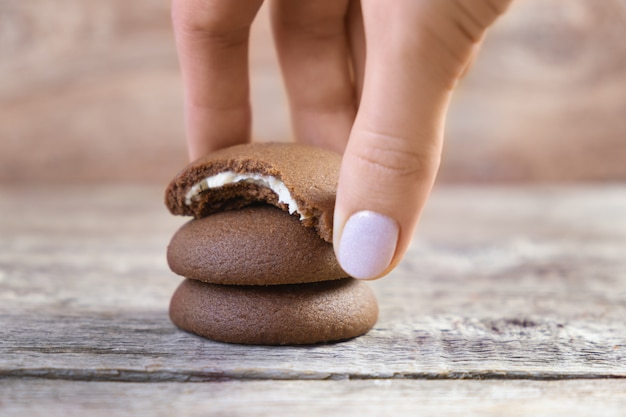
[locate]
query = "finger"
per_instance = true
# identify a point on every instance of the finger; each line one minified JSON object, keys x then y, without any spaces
{"x":415,"y":53}
{"x":212,"y":43}
{"x":312,"y":46}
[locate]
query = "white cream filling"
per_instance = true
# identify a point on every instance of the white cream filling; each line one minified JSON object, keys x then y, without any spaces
{"x":229,"y":177}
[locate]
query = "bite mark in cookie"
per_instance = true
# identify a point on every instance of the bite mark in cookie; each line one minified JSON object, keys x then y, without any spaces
{"x":294,"y":177}
{"x":229,"y":177}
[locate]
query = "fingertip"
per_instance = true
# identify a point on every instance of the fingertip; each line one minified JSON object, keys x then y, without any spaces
{"x":212,"y":44}
{"x":380,"y":196}
{"x":366,"y":244}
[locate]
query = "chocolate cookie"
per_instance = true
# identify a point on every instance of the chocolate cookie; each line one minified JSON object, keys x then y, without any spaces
{"x":297,"y":178}
{"x":275,"y":315}
{"x":257,"y":245}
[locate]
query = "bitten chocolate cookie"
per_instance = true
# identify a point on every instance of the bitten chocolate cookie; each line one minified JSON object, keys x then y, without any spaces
{"x":297,"y":178}
{"x":275,"y":315}
{"x":257,"y":245}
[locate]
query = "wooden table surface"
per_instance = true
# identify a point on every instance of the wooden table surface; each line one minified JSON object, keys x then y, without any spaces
{"x":511,"y":301}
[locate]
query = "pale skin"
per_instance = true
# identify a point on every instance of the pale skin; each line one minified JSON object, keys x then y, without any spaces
{"x":370,"y":79}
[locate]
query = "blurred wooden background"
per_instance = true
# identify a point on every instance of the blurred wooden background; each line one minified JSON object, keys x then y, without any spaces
{"x":90,"y":91}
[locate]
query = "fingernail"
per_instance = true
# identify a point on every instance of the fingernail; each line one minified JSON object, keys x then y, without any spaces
{"x":367,"y":244}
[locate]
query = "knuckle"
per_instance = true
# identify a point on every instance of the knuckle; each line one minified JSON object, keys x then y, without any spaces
{"x":188,"y":16}
{"x":498,"y":7}
{"x":202,"y":20}
{"x":467,"y":22}
{"x":389,"y":156}
{"x":473,"y":21}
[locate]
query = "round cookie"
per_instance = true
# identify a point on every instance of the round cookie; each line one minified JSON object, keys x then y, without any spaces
{"x":257,"y":245}
{"x":294,"y":177}
{"x":275,"y":315}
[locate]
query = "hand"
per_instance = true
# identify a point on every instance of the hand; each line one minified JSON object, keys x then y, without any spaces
{"x":386,"y":112}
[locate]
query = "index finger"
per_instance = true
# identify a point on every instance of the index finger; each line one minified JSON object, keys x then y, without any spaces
{"x":212,"y":44}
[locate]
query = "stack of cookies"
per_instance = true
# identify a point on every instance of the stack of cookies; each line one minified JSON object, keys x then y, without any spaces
{"x":257,"y":256}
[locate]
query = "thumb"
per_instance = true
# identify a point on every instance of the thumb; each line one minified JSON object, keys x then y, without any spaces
{"x":385,"y":179}
{"x":415,"y":54}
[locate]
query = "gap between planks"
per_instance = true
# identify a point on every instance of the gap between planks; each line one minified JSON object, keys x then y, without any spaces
{"x":128,"y":375}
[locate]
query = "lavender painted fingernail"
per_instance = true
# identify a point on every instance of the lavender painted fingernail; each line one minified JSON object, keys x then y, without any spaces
{"x":367,"y":244}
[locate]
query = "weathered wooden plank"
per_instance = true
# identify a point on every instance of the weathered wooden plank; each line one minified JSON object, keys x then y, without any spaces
{"x":500,"y":283}
{"x":147,"y":348}
{"x":602,"y":398}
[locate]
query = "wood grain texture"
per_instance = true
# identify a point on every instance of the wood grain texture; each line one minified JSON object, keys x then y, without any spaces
{"x":90,"y":91}
{"x":601,"y":398}
{"x":511,"y":302}
{"x":499,"y":284}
